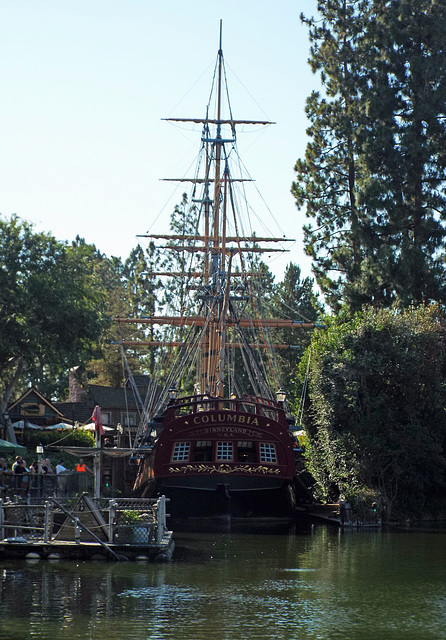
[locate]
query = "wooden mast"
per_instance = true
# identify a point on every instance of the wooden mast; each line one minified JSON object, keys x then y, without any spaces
{"x":212,"y":343}
{"x":218,"y":253}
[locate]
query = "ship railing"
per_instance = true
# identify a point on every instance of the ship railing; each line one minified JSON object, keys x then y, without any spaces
{"x":246,"y":404}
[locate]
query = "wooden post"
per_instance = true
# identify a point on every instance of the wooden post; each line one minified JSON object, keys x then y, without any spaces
{"x":97,"y":474}
{"x":46,"y":529}
{"x":2,"y":519}
{"x":161,"y":517}
{"x":111,"y":513}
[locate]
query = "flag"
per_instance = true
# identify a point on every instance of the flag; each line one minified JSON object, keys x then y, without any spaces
{"x":97,"y":419}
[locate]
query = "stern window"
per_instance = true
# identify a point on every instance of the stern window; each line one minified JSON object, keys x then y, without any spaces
{"x":267,"y":453}
{"x":246,"y":451}
{"x":224,"y":451}
{"x":180,"y":452}
{"x":203,"y":451}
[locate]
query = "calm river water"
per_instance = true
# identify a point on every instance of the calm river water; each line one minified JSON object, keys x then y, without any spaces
{"x":321,"y":583}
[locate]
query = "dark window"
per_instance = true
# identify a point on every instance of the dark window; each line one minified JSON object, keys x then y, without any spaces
{"x":202,"y":451}
{"x":246,"y":451}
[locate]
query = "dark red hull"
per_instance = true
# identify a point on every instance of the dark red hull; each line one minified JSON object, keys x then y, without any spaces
{"x":219,"y":457}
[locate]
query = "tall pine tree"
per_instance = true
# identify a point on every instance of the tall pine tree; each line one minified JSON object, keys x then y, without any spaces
{"x":373,"y":177}
{"x":405,"y":151}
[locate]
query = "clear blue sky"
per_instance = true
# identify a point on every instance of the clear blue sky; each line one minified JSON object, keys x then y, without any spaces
{"x":84,"y":87}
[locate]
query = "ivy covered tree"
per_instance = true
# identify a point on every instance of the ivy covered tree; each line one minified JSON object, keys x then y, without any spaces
{"x":373,"y":176}
{"x":375,"y":409}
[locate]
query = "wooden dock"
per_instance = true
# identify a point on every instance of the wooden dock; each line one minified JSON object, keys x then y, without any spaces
{"x":13,"y":548}
{"x":117,"y":529}
{"x":339,"y":514}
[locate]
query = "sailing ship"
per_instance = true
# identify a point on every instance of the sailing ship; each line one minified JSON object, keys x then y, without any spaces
{"x":226,"y":447}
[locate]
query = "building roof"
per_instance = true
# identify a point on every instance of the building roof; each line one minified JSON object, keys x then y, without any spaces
{"x":108,"y":398}
{"x":32,"y":403}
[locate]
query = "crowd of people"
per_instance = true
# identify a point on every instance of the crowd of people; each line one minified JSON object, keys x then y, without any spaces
{"x":22,"y":474}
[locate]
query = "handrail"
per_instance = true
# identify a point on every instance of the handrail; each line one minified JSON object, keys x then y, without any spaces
{"x":80,"y":524}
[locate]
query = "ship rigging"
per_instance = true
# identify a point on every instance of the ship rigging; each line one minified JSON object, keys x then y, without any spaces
{"x":227,"y":443}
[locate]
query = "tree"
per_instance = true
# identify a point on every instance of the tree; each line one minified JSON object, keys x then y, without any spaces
{"x":51,"y":309}
{"x":404,"y":188}
{"x":375,"y":412}
{"x":131,"y":292}
{"x":373,"y":177}
{"x":184,"y":221}
{"x":327,"y":179}
{"x":294,"y":298}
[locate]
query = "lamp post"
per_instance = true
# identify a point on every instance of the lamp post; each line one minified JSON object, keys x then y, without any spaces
{"x":39,"y":451}
{"x":120,"y":432}
{"x":173,"y":393}
{"x":5,"y":423}
{"x":281,"y":396}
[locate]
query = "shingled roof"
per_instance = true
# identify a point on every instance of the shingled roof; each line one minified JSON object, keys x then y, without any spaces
{"x":108,"y":398}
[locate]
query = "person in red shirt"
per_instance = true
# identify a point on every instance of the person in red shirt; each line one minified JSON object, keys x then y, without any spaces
{"x":81,"y":467}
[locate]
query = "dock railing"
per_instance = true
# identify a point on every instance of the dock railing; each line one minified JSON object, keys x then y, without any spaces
{"x":133,"y":521}
{"x":38,"y":486}
{"x":137,"y":520}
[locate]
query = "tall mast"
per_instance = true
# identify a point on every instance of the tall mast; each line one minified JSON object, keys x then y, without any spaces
{"x":212,"y":345}
{"x":222,"y":247}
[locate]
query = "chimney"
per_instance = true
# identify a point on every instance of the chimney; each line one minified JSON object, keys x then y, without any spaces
{"x":77,"y":388}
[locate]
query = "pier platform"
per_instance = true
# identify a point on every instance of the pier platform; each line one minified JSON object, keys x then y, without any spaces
{"x":14,"y":548}
{"x":340,"y":514}
{"x":83,"y":528}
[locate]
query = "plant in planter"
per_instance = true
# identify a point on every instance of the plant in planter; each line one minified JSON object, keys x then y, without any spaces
{"x":130,"y":516}
{"x":134,"y":529}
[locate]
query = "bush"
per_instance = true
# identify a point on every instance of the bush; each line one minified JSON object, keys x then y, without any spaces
{"x":74,"y":438}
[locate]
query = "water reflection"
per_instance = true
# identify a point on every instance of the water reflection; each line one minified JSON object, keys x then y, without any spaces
{"x":318,"y":583}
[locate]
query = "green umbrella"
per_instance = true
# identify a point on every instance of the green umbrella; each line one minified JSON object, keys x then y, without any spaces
{"x":9,"y":447}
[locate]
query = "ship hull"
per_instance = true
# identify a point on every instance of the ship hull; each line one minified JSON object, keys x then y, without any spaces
{"x":223,"y":501}
{"x":228,"y":458}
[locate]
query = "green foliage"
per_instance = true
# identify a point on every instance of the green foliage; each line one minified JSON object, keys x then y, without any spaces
{"x":74,"y":438}
{"x":375,"y":414}
{"x":373,"y":176}
{"x":130,"y":516}
{"x":131,"y":292}
{"x":51,"y":309}
{"x":293,"y":298}
{"x":184,"y":221}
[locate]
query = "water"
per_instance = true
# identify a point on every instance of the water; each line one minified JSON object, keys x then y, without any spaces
{"x":319,"y":584}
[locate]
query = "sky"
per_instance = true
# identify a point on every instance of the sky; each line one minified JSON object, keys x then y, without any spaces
{"x":85,"y":86}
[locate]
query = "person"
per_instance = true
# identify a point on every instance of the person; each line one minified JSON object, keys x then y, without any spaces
{"x":20,"y":469}
{"x":4,"y":467}
{"x":16,"y":463}
{"x":83,"y":468}
{"x":60,"y":468}
{"x":34,"y":468}
{"x":4,"y":471}
{"x":46,"y":466}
